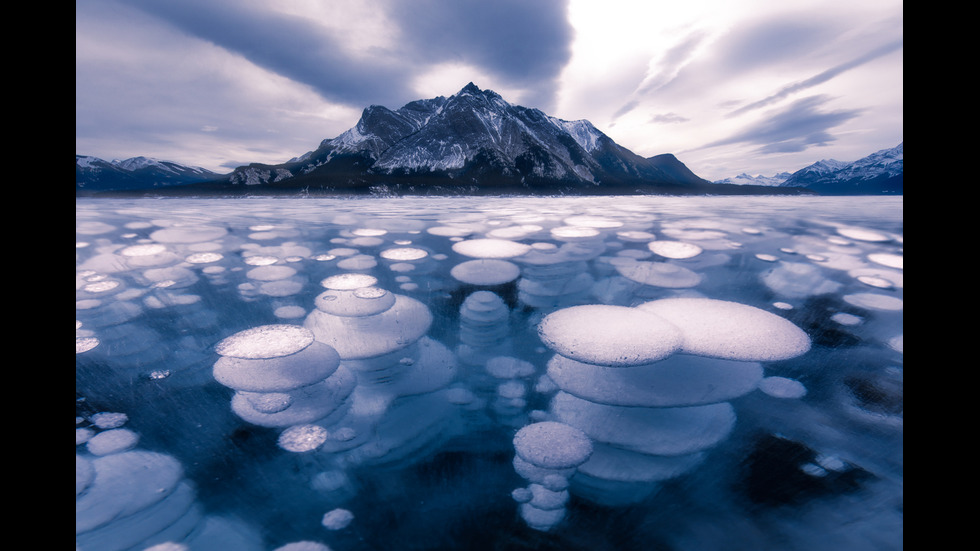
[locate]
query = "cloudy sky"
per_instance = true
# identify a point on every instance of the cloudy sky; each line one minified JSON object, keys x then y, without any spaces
{"x":728,"y":86}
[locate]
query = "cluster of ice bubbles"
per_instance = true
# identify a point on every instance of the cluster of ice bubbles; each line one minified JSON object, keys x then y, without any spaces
{"x":639,"y":383}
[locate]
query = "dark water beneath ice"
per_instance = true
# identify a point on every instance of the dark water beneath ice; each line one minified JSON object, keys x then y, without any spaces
{"x":417,"y":414}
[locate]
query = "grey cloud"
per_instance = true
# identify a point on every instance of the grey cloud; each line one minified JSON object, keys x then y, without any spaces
{"x":523,"y":43}
{"x":800,"y":125}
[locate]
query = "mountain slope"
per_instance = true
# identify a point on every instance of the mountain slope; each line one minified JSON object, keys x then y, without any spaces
{"x":136,"y":173}
{"x":471,"y":142}
{"x":878,"y":173}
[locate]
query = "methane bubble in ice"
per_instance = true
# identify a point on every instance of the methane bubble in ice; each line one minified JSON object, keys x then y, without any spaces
{"x":782,"y":387}
{"x":485,"y":271}
{"x":875,"y":301}
{"x":674,"y":249}
{"x":490,"y":248}
{"x":679,"y":380}
{"x":888,"y":259}
{"x":609,"y":335}
{"x":337,"y":519}
{"x":268,"y":341}
{"x":302,"y":438}
{"x":547,"y":453}
{"x":730,"y":330}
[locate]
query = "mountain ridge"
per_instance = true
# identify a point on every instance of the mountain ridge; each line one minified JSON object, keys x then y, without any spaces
{"x":473,"y":142}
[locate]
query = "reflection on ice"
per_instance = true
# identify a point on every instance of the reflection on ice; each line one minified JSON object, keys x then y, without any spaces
{"x":535,"y":373}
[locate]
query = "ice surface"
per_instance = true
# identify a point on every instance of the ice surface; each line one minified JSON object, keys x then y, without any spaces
{"x":546,"y":373}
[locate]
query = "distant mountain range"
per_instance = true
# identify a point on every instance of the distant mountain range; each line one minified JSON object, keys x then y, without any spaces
{"x":135,"y":174}
{"x":470,"y":143}
{"x":880,"y":173}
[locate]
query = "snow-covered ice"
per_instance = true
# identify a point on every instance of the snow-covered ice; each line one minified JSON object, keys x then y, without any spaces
{"x":493,"y":373}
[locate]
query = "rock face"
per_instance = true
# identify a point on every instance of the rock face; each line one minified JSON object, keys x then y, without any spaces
{"x":470,"y":142}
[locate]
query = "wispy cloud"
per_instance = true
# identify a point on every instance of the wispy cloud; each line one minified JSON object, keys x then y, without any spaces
{"x":820,"y":78}
{"x":800,"y":125}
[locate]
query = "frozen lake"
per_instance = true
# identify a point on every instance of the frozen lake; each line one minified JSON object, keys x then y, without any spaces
{"x":599,"y":373}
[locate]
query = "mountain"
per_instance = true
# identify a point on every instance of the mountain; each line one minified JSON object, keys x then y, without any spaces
{"x":877,"y":174}
{"x":757,"y":180}
{"x":137,"y":173}
{"x":473,"y":142}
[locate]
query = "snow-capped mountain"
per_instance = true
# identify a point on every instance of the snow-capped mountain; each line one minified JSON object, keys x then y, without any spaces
{"x":95,"y":174}
{"x":471,"y":142}
{"x":757,"y":180}
{"x":878,"y":173}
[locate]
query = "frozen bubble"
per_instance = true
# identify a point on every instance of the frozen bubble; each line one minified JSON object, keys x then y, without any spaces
{"x":260,"y":260}
{"x":289,"y":312}
{"x":674,"y":249}
{"x":730,"y":330}
{"x":813,"y":470}
{"x":337,"y":519}
{"x":93,"y":228}
{"x":303,"y":546}
{"x":125,"y":483}
{"x":362,"y":301}
{"x":490,"y":248}
{"x":875,"y":301}
{"x":547,"y":499}
{"x":541,"y":519}
{"x":109,"y":420}
{"x":831,"y":462}
{"x":657,"y":431}
{"x":521,"y":495}
{"x":514,"y":232}
{"x":368,"y":336}
{"x":188,"y":234}
{"x":302,"y":438}
{"x":782,"y":387}
{"x":659,"y":274}
{"x":83,"y":435}
{"x":592,"y":221}
{"x":112,"y":441}
{"x":552,"y":445}
{"x":84,"y":344}
{"x":278,"y":373}
{"x":369,"y":232}
{"x":147,"y":249}
{"x":203,"y":258}
{"x":862,"y":234}
{"x":798,"y":280}
{"x":270,"y":273}
{"x":555,"y":483}
{"x":767,"y":257}
{"x":572,"y":233}
{"x":507,"y":367}
{"x":404,"y":254}
{"x":782,"y":305}
{"x":635,"y":236}
{"x":450,"y":231}
{"x":268,"y":402}
{"x":168,"y":546}
{"x":680,"y":380}
{"x":897,"y":343}
{"x":358,"y":262}
{"x":888,"y":259}
{"x":610,"y":463}
{"x":844,"y":318}
{"x":609,"y":335}
{"x":486,"y":271}
{"x":266,"y":341}
{"x":349,"y":282}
